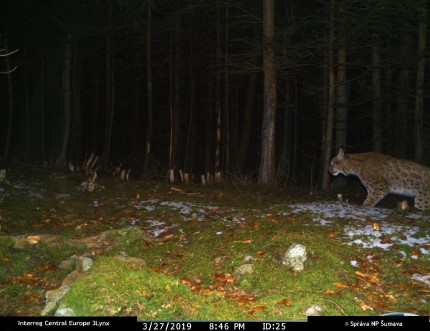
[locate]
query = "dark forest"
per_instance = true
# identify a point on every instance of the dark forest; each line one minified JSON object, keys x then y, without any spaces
{"x":157,"y":85}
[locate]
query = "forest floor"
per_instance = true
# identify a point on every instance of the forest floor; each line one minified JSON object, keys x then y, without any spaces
{"x":173,"y":252}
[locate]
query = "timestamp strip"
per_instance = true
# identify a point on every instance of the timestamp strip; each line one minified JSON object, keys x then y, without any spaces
{"x":221,"y":325}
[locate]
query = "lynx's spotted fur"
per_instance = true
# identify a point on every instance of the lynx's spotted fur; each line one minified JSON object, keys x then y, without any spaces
{"x":381,"y":174}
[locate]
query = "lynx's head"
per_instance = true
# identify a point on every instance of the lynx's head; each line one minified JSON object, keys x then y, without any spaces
{"x":339,"y":164}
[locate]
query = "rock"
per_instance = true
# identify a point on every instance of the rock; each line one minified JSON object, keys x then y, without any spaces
{"x":248,"y":258}
{"x":220,"y":260}
{"x":53,"y":297}
{"x":83,"y":263}
{"x":64,"y":311}
{"x":70,"y":278}
{"x":244,"y":269}
{"x":68,"y":263}
{"x":295,"y":257}
{"x":49,"y":309}
{"x":57,"y":294}
{"x":314,"y":310}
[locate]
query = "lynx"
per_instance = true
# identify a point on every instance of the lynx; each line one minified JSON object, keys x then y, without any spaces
{"x":382,"y":174}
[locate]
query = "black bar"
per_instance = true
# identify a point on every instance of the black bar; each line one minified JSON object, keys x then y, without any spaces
{"x":23,"y":323}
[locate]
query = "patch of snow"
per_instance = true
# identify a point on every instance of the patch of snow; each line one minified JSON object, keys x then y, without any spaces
{"x":185,"y":208}
{"x":156,"y":226}
{"x":157,"y":232}
{"x":340,"y":210}
{"x":146,"y":204}
{"x":234,"y":219}
{"x":95,"y":203}
{"x":375,"y":238}
{"x":425,"y":279}
{"x":153,"y":223}
{"x":366,"y":235}
{"x":133,"y":221}
{"x":354,"y":263}
{"x":324,"y":222}
{"x":62,"y":195}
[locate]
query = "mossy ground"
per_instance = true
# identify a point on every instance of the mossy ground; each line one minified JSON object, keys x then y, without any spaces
{"x":208,"y":231}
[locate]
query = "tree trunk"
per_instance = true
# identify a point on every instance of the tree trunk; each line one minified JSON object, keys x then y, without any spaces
{"x":42,"y":108}
{"x":419,"y":96}
{"x":267,"y":170}
{"x":400,"y":129}
{"x":247,"y":121}
{"x":328,"y":142}
{"x":177,"y":128}
{"x":149,"y":116}
{"x":27,"y":113}
{"x":218,"y":95}
{"x":226,"y":96}
{"x":209,"y":126}
{"x":341,"y":94}
{"x":376,"y":91}
{"x":188,"y":147}
{"x":110,"y":88}
{"x":11,"y":103}
{"x":67,"y":99}
{"x":76,"y":124}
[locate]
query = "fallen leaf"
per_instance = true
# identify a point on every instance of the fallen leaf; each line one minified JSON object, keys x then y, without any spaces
{"x":33,"y":240}
{"x":376,"y":226}
{"x":285,"y":302}
{"x":386,"y":240}
{"x":260,"y":253}
{"x":255,"y":310}
{"x":332,"y":235}
{"x":340,"y":285}
{"x":47,"y":267}
{"x":187,"y":281}
{"x":256,"y":225}
{"x":226,"y":278}
{"x":329,"y":292}
{"x":31,"y":298}
{"x":371,"y":278}
{"x":174,"y":189}
{"x":390,"y":297}
{"x":416,"y":253}
{"x":363,"y":305}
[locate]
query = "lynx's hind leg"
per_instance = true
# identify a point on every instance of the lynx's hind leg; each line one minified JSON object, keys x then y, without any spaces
{"x":422,"y":200}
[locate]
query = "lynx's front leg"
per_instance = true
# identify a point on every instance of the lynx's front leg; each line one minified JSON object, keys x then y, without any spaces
{"x":374,"y":196}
